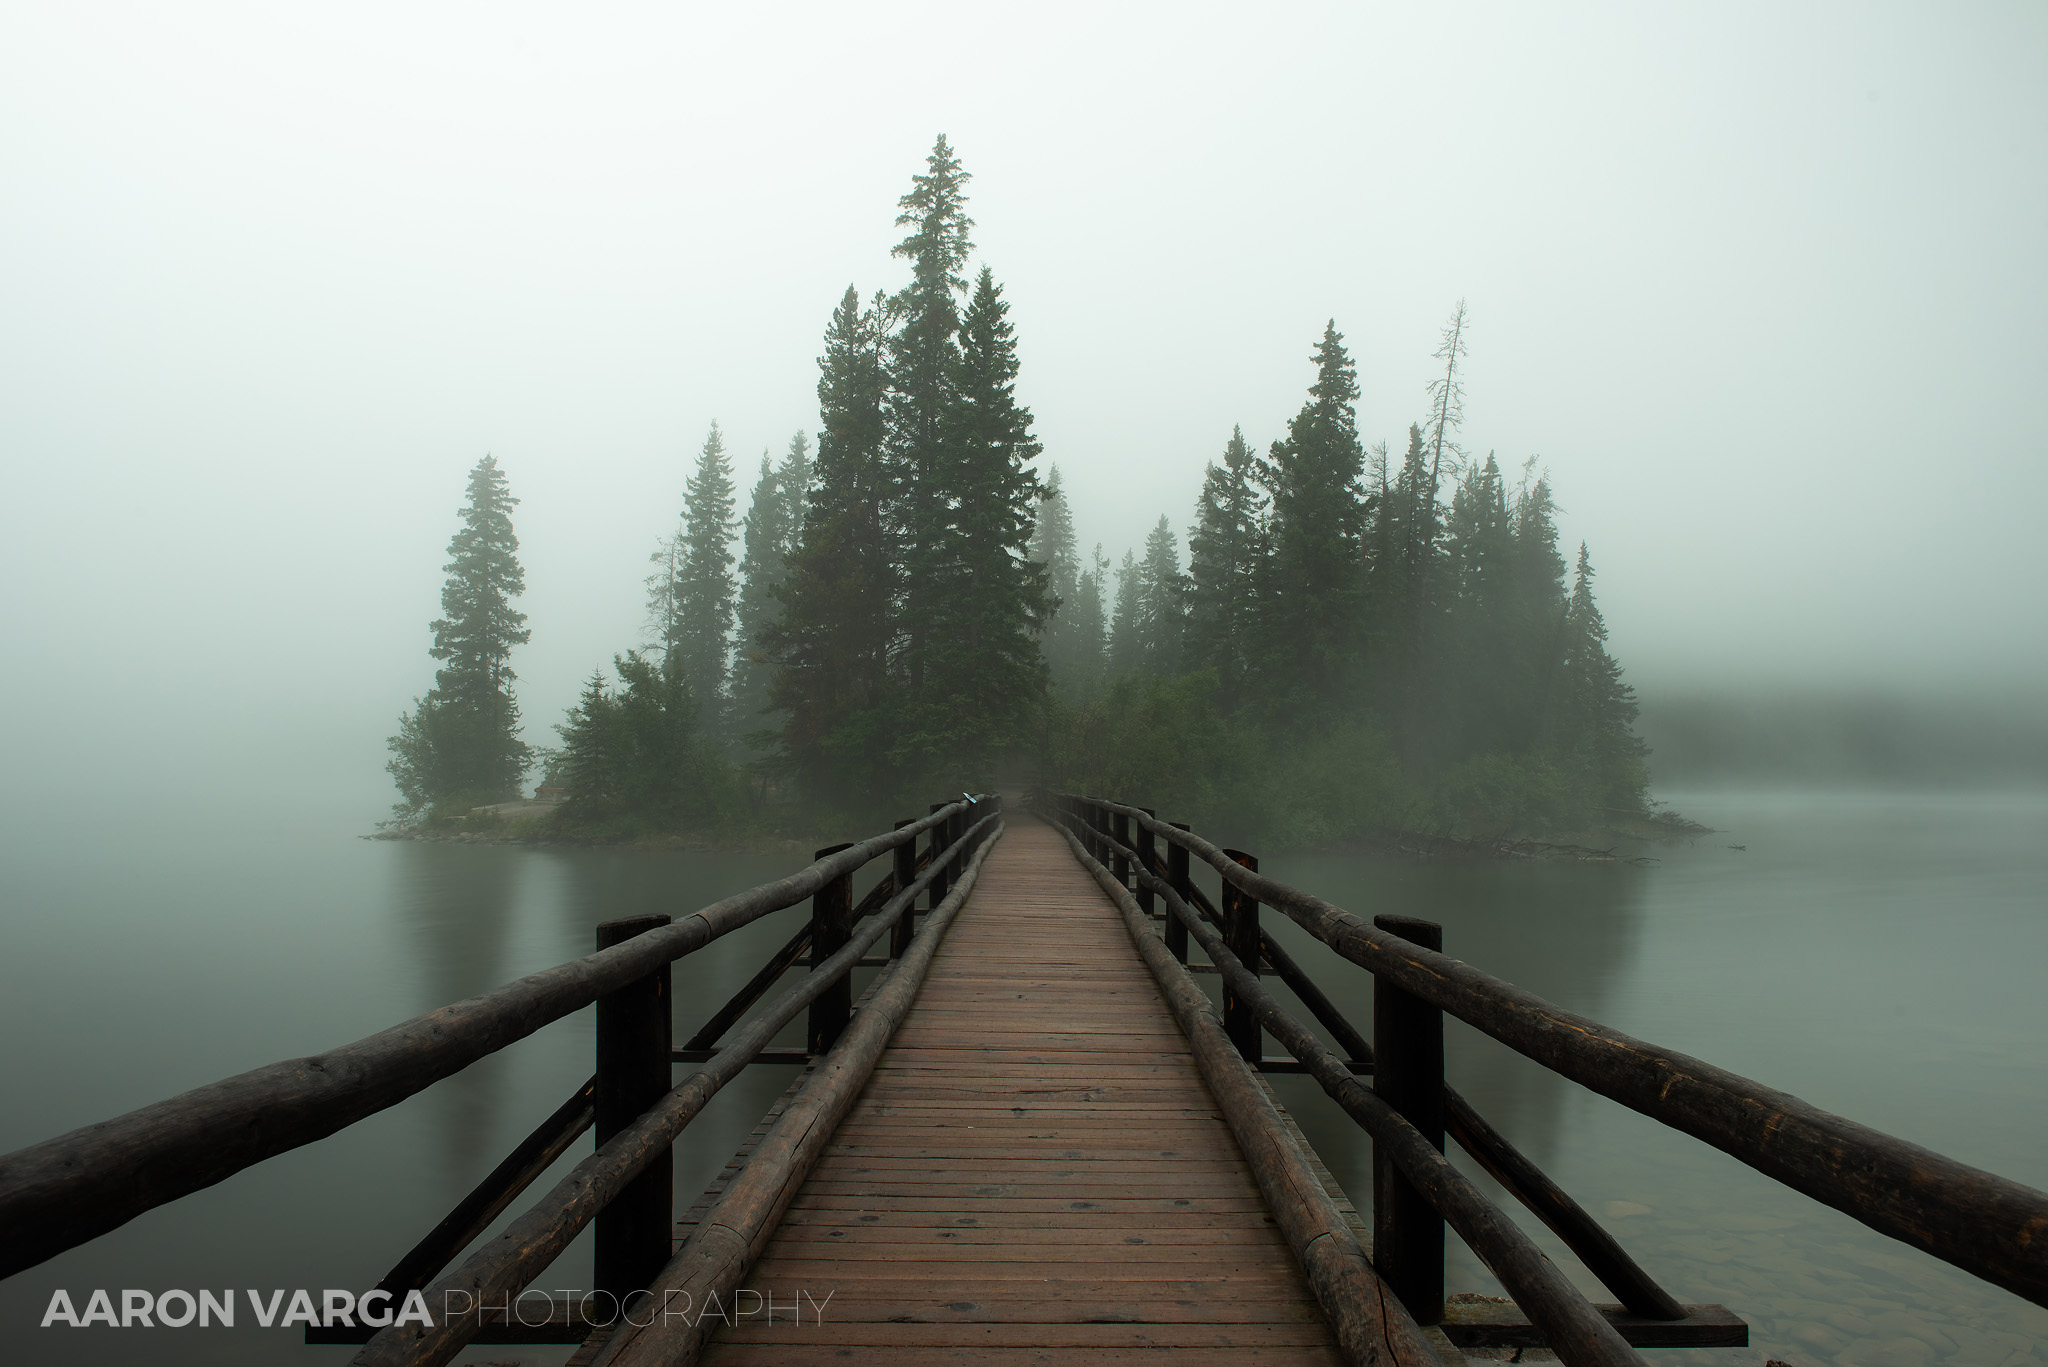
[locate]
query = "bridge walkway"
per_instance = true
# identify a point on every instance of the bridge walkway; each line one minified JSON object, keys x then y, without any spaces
{"x":1035,"y":1171}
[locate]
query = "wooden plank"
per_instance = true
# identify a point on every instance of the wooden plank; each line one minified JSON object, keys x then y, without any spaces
{"x":1193,"y":1205}
{"x":1040,"y":1334}
{"x":1019,"y":1300}
{"x":1010,"y":1222}
{"x":972,"y":1309}
{"x":791,"y":1352}
{"x":1134,"y":1262}
{"x":1172,"y":1169}
{"x":1274,"y":1272}
{"x":950,"y":1235}
{"x":1035,"y":1166}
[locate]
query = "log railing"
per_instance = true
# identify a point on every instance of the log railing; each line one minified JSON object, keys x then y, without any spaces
{"x":68,"y":1190}
{"x":1989,"y":1226}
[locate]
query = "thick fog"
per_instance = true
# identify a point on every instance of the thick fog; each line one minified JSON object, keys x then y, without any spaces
{"x":1762,"y":286}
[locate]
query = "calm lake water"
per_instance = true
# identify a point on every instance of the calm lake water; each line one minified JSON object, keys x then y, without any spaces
{"x":1881,"y":956}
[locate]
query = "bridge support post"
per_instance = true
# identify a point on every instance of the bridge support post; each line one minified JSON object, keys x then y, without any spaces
{"x":1147,"y":853}
{"x":1120,"y":863}
{"x":1408,"y":1054}
{"x":905,"y":871}
{"x":1241,"y":937}
{"x":831,"y":928}
{"x":939,"y":841}
{"x":1177,"y":876}
{"x":635,"y":1034}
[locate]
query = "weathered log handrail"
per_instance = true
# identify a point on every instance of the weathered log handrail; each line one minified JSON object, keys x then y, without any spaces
{"x":1987,"y":1225}
{"x":1370,"y":1326}
{"x":725,"y":1243}
{"x":524,"y":1249}
{"x":1605,"y":1258}
{"x":1570,"y":1324}
{"x":487,"y":1200}
{"x":67,"y":1190}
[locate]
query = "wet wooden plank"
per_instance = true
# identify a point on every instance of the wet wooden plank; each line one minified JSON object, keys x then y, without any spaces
{"x":788,"y":1351}
{"x":1035,"y":1168}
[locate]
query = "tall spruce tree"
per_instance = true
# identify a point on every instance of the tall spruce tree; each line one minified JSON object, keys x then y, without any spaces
{"x":1314,"y":580}
{"x":1594,"y":712}
{"x":1162,"y":604}
{"x":1088,"y":622}
{"x":770,"y":533}
{"x":1226,"y":550}
{"x":460,"y":744}
{"x":704,"y":592}
{"x":1126,"y":639}
{"x":1053,"y":546}
{"x":924,"y":375}
{"x":1477,"y":667}
{"x":1539,"y":604}
{"x":984,"y":673}
{"x":831,"y":648}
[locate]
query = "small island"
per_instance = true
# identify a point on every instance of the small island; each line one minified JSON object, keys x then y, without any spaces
{"x":1365,"y":643}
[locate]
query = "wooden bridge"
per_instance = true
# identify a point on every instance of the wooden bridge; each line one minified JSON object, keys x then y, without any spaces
{"x":1035,"y":1140}
{"x":1035,"y":1162}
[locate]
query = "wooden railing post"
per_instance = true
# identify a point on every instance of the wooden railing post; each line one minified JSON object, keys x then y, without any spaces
{"x":938,"y":843}
{"x":905,"y":869}
{"x":1241,"y":937}
{"x":635,"y":1034}
{"x":831,"y":928}
{"x":1120,"y":863}
{"x":1147,"y":852}
{"x":1178,"y":878}
{"x":1408,"y":1054}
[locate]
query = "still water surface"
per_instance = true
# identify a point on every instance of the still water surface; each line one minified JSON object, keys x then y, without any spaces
{"x":1881,"y":956}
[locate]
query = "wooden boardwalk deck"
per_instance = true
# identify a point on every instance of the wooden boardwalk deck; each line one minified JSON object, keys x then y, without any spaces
{"x":1035,"y":1172}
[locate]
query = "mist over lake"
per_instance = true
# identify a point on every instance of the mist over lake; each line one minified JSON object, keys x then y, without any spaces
{"x":630,"y":451}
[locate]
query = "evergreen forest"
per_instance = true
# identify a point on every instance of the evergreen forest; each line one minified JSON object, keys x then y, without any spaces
{"x":1361,"y":640}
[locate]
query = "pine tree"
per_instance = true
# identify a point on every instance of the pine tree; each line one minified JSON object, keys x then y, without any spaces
{"x":1068,"y":653}
{"x":1446,"y":416}
{"x":771,"y":532}
{"x":664,"y":595}
{"x":1162,"y":604}
{"x":1318,"y":523}
{"x":1539,"y":604}
{"x":1226,"y":548}
{"x":924,"y":371}
{"x":984,"y":674}
{"x":1087,"y":623}
{"x":1126,"y":644}
{"x":704,"y":592}
{"x":1594,"y":713}
{"x":1476,"y":665}
{"x":590,"y":752}
{"x":637,"y":751}
{"x":461,"y":744}
{"x":831,"y":648}
{"x":1399,"y":561}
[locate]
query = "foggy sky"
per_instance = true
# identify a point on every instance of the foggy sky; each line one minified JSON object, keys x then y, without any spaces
{"x":1761,"y":285}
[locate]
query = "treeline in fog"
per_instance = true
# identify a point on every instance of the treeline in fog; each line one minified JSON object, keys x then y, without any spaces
{"x":1356,"y":642}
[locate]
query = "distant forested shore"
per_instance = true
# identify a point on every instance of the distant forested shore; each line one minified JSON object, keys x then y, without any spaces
{"x":1361,"y":641}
